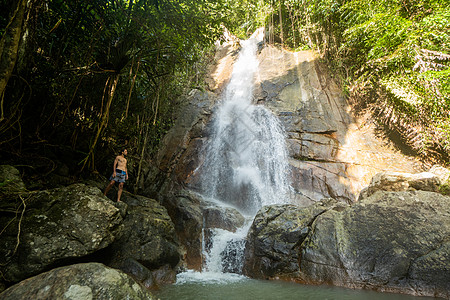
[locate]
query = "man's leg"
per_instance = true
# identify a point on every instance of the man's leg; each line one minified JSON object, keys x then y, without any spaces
{"x":110,"y":185}
{"x":119,"y":193}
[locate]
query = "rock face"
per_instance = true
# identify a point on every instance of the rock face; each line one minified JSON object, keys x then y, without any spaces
{"x":148,"y":243}
{"x":57,"y":225}
{"x":390,"y":241}
{"x":180,"y":150}
{"x":331,"y":153}
{"x":78,"y":282}
{"x":274,"y":239}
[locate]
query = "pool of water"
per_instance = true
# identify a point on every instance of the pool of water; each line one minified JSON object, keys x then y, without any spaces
{"x":211,"y":286}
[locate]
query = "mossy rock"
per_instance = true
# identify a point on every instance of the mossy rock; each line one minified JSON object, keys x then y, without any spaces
{"x":10,"y":180}
{"x":81,"y":281}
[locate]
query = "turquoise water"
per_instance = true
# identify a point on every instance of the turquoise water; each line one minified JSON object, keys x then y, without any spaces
{"x":198,"y":286}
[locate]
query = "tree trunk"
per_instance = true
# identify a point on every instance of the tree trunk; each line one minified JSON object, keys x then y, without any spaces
{"x":131,"y":89}
{"x":9,"y":45}
{"x":155,"y":105}
{"x":292,"y":18}
{"x":103,"y":122}
{"x":141,"y":158}
{"x":280,"y":11}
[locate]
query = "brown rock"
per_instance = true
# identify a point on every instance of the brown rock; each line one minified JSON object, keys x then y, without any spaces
{"x":396,"y":181}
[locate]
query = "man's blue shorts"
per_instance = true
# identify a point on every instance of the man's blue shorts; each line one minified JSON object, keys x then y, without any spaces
{"x":120,"y":176}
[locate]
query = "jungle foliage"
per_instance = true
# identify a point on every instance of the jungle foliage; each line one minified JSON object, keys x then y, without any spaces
{"x":91,"y":77}
{"x":393,"y":57}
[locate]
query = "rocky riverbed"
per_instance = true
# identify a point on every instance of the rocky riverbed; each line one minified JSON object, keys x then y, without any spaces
{"x":361,"y":214}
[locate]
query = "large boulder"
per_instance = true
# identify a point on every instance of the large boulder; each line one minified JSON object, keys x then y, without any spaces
{"x":217,"y":221}
{"x":78,"y":282}
{"x":185,"y":210}
{"x":149,"y":242}
{"x":274,"y":239}
{"x":442,"y":173}
{"x":227,"y":218}
{"x":389,"y":241}
{"x":194,"y":218}
{"x":53,"y":227}
{"x":397,"y":181}
{"x":149,"y":278}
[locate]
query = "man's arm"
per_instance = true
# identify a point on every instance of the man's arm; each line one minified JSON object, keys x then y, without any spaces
{"x":115,"y":165}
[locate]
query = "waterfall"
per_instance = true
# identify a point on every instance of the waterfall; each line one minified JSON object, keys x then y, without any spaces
{"x":246,"y":159}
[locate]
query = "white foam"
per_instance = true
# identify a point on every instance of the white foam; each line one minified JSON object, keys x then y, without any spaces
{"x":192,"y":276}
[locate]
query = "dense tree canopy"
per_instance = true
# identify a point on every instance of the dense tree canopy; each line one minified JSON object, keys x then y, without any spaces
{"x":97,"y":75}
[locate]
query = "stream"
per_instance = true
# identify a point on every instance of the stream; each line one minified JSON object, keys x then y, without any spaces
{"x":215,"y":286}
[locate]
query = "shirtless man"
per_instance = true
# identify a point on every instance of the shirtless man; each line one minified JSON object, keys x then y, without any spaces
{"x":120,"y":173}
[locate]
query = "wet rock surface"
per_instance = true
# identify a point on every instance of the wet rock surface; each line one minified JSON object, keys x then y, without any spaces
{"x":82,"y":282}
{"x":275,"y":237}
{"x":332,"y":153}
{"x":226,"y":218}
{"x":194,"y":218}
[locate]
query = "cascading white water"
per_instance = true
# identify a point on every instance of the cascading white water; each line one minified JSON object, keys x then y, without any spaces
{"x":227,"y":251}
{"x":246,"y":159}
